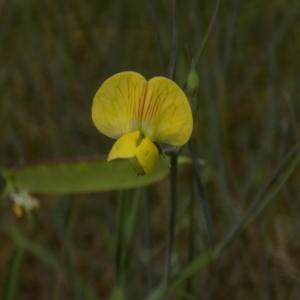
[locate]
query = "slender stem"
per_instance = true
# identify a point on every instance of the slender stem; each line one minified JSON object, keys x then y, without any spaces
{"x":119,"y":250}
{"x":155,"y":24}
{"x":208,"y":32}
{"x":174,"y":43}
{"x":201,"y":197}
{"x":172,"y":215}
{"x":190,"y":250}
{"x":147,"y":238}
{"x":173,"y":154}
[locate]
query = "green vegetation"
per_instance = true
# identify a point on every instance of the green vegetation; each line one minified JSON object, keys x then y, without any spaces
{"x":101,"y":232}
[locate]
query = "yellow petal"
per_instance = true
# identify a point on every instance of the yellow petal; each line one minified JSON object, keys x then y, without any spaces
{"x":132,"y":145}
{"x":167,"y":116}
{"x":126,"y":102}
{"x":147,"y":155}
{"x":125,"y":146}
{"x":115,"y":107}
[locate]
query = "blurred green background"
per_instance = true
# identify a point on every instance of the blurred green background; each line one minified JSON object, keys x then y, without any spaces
{"x":54,"y":55}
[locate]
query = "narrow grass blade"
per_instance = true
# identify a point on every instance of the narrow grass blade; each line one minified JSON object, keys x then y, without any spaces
{"x":208,"y":32}
{"x":131,"y":223}
{"x":264,"y":196}
{"x":81,"y":288}
{"x":129,"y":203}
{"x":202,"y":198}
{"x":191,"y":241}
{"x":37,"y":250}
{"x":172,"y":214}
{"x":119,"y":249}
{"x":11,"y":282}
{"x":201,"y":262}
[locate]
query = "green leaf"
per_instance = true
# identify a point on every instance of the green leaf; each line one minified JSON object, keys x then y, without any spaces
{"x":84,"y":177}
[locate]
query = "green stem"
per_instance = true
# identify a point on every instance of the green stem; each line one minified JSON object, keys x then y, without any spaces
{"x":119,"y":250}
{"x":173,"y":154}
{"x":174,"y":43}
{"x":172,"y":215}
{"x":201,"y":197}
{"x":208,"y":32}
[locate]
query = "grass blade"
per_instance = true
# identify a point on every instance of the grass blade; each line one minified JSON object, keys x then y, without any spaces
{"x":172,"y":215}
{"x":129,"y":204}
{"x":264,"y":196}
{"x":40,"y":252}
{"x":202,"y":197}
{"x":10,"y":286}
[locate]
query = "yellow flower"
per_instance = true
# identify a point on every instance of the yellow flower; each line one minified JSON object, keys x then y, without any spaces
{"x":139,"y":113}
